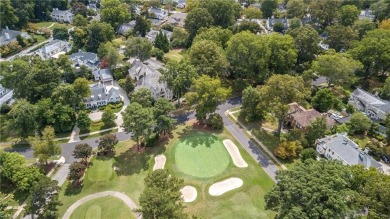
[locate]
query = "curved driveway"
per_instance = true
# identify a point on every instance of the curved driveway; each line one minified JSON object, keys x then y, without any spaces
{"x":115,"y":194}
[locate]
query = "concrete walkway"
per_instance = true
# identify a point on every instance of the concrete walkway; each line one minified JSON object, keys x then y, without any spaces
{"x":130,"y":203}
{"x":61,"y":174}
{"x":74,"y":136}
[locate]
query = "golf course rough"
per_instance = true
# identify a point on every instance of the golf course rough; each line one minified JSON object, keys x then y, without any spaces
{"x":201,"y":155}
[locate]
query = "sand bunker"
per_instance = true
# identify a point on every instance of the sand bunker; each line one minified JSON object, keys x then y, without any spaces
{"x":189,"y":193}
{"x":159,"y":162}
{"x":220,"y":188}
{"x":234,"y":153}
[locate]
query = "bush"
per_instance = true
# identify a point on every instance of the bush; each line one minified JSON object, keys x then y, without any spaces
{"x":288,"y":149}
{"x":167,"y":26}
{"x":215,"y":122}
{"x":5,"y":108}
{"x":158,"y":53}
{"x":152,"y":140}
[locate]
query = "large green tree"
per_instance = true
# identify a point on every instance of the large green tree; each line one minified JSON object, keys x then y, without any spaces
{"x":222,"y":11}
{"x":349,"y":14}
{"x":268,"y":7}
{"x":23,"y":118}
{"x":363,"y":26}
{"x":98,"y":32}
{"x":108,"y":117}
{"x":196,"y":19}
{"x":306,"y":39}
{"x":324,"y":12}
{"x":278,"y":92}
{"x":161,"y":197}
{"x":45,"y":146}
{"x":251,"y":99}
{"x":60,"y":33}
{"x":109,"y":52}
{"x":162,"y":108}
{"x":205,"y":94}
{"x":7,"y":14}
{"x":316,"y":130}
{"x":107,"y":143}
{"x":142,"y":96}
{"x":251,"y":13}
{"x":284,"y":53}
{"x":216,"y":34}
{"x":82,"y":151}
{"x":114,"y":12}
{"x":340,"y":37}
{"x":178,"y":76}
{"x":24,"y":12}
{"x":139,"y":121}
{"x":323,"y":100}
{"x":139,"y":47}
{"x":296,"y":8}
{"x":208,"y":58}
{"x":359,"y":123}
{"x":142,"y":26}
{"x":301,"y":191}
{"x":248,"y":55}
{"x":338,"y":68}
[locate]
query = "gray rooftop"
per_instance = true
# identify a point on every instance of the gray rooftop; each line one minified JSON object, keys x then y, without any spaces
{"x":60,"y":12}
{"x":368,"y":98}
{"x":8,"y":36}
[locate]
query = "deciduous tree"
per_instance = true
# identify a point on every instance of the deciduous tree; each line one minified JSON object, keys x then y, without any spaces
{"x":251,"y":99}
{"x":142,"y":25}
{"x":108,"y":117}
{"x":296,"y":8}
{"x":82,"y":151}
{"x":216,"y":34}
{"x":196,"y":19}
{"x":80,"y":21}
{"x":323,"y":100}
{"x":349,"y":14}
{"x":114,"y":12}
{"x":83,"y":121}
{"x":316,"y":130}
{"x":268,"y":7}
{"x":340,"y":37}
{"x":23,"y":118}
{"x":283,"y":52}
{"x":222,"y":11}
{"x":76,"y":172}
{"x":98,"y":32}
{"x":324,"y":12}
{"x":139,"y":47}
{"x":251,"y":13}
{"x":45,"y":146}
{"x":162,"y":109}
{"x":306,"y":39}
{"x":288,"y":149}
{"x":60,"y":33}
{"x":363,"y":26}
{"x":107,"y":143}
{"x":308,"y":153}
{"x":359,"y":123}
{"x":142,"y":96}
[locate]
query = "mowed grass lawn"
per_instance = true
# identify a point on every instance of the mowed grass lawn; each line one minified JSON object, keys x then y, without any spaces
{"x":48,"y":24}
{"x":244,"y":202}
{"x":100,"y":208}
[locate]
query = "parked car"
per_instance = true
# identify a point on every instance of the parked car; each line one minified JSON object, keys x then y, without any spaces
{"x":385,"y":158}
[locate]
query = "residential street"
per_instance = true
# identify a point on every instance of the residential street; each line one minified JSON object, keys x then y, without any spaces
{"x":268,"y":165}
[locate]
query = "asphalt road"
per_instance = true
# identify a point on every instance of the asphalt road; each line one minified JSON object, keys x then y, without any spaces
{"x":268,"y":165}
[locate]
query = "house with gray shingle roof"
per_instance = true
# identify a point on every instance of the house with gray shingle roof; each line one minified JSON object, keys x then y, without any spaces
{"x":54,"y":49}
{"x":101,"y":96}
{"x":104,"y":75}
{"x":148,"y":77}
{"x":158,"y":13}
{"x":7,"y":36}
{"x":88,"y":59}
{"x":272,"y":21}
{"x":340,"y":147}
{"x":62,"y":16}
{"x":126,"y":27}
{"x":373,"y":106}
{"x":151,"y":35}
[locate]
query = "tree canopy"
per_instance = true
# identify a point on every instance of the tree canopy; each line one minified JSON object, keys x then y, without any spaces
{"x":139,"y":47}
{"x":114,"y":12}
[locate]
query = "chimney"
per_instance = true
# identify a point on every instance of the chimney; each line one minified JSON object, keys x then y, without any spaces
{"x":366,"y":150}
{"x":7,"y":36}
{"x":6,"y":27}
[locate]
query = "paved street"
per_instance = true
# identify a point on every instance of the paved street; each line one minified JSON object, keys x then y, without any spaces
{"x":236,"y":131}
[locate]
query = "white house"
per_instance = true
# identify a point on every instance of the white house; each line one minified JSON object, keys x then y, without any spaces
{"x":340,"y":147}
{"x":88,"y":59}
{"x":101,"y":96}
{"x":54,"y":49}
{"x":62,"y":16}
{"x":158,"y":13}
{"x":7,"y":36}
{"x":366,"y":14}
{"x":272,"y":21}
{"x":148,"y":77}
{"x":104,"y":75}
{"x":373,"y":106}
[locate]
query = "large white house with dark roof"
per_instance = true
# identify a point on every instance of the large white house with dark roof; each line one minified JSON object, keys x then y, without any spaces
{"x":54,"y":49}
{"x":62,"y":16}
{"x":340,"y":147}
{"x":101,"y":96}
{"x":88,"y":59}
{"x":7,"y":36}
{"x":373,"y":106}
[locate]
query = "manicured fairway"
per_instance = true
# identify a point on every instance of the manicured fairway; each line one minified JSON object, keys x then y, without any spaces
{"x":107,"y":207}
{"x":101,"y":170}
{"x":201,"y":155}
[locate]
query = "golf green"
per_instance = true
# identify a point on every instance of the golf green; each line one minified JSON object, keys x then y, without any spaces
{"x":201,"y":155}
{"x":100,"y":208}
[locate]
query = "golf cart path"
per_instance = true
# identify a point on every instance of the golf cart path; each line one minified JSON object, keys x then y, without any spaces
{"x":130,"y":203}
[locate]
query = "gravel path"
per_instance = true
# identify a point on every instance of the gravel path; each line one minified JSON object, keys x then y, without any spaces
{"x":130,"y":203}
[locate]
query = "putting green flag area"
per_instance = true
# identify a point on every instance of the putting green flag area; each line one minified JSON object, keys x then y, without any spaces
{"x":201,"y":155}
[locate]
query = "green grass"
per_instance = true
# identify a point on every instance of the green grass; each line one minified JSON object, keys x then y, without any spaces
{"x":244,"y":202}
{"x":201,"y":155}
{"x":49,"y":23}
{"x":174,"y":54}
{"x":40,"y":38}
{"x":100,"y":208}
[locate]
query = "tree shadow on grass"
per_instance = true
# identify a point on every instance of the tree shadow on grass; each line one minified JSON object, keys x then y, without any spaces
{"x":197,"y":137}
{"x":72,"y":190}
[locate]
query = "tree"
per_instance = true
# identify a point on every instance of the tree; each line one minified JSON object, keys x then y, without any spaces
{"x":323,"y":100}
{"x":81,"y":87}
{"x":98,"y":32}
{"x":251,"y":99}
{"x":127,"y":84}
{"x":110,"y":52}
{"x":25,"y":12}
{"x":80,"y":21}
{"x":161,"y":197}
{"x":296,"y":9}
{"x":162,"y":42}
{"x":324,"y":12}
{"x":222,"y":11}
{"x":288,"y":150}
{"x":83,"y":121}
{"x":196,"y":19}
{"x":82,"y":151}
{"x":142,"y":26}
{"x":108,"y":117}
{"x":216,"y":34}
{"x":206,"y":93}
{"x":381,"y":9}
{"x":179,"y":37}
{"x":76,"y":172}
{"x":268,"y":7}
{"x":251,"y":13}
{"x":385,"y":24}
{"x":139,"y":121}
{"x":294,"y":24}
{"x":247,"y":25}
{"x":208,"y":58}
{"x":373,"y":51}
{"x":79,"y":8}
{"x":338,"y":68}
{"x":316,"y":130}
{"x":162,"y":108}
{"x":107,"y":143}
{"x":7,"y":14}
{"x":248,"y":55}
{"x":139,"y":47}
{"x":278,"y":92}
{"x":349,"y":14}
{"x":43,"y":199}
{"x":178,"y":76}
{"x":387,"y":122}
{"x":5,"y":212}
{"x":306,"y":39}
{"x":363,"y":26}
{"x":60,"y":33}
{"x":278,"y":27}
{"x":385,"y":91}
{"x":308,"y":153}
{"x":45,"y":146}
{"x":359,"y":123}
{"x":66,"y":95}
{"x":340,"y":37}
{"x":114,"y":12}
{"x":142,"y":96}
{"x":79,"y":36}
{"x":23,"y":118}
{"x":284,"y":53}
{"x":299,"y":191}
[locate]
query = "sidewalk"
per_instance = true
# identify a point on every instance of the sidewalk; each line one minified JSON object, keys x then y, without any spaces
{"x":269,"y":153}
